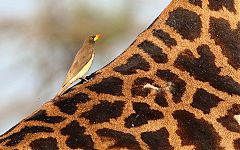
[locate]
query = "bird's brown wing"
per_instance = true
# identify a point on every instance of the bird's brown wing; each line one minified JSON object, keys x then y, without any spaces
{"x":80,"y":60}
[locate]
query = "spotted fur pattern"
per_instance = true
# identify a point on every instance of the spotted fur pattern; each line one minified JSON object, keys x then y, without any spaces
{"x":190,"y":55}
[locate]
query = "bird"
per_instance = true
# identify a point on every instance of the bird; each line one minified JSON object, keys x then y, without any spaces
{"x":81,"y":63}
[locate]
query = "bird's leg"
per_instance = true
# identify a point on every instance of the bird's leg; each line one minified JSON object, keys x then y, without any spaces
{"x":84,"y":79}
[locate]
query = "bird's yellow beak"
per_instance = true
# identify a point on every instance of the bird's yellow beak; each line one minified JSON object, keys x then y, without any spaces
{"x":98,"y":36}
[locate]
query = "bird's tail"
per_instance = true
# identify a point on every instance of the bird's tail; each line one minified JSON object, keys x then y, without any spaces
{"x":63,"y":89}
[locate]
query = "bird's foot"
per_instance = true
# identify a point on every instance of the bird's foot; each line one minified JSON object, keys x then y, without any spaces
{"x":84,"y":79}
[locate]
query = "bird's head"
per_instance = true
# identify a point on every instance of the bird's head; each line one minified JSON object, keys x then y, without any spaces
{"x":94,"y":38}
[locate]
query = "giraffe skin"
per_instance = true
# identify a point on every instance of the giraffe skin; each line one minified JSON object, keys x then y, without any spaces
{"x":189,"y":58}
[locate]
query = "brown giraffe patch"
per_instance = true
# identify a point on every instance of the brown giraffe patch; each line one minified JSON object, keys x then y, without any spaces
{"x":104,"y":111}
{"x":17,"y":137}
{"x":236,"y":144}
{"x":204,"y":69}
{"x":196,"y":2}
{"x":49,"y":143}
{"x":160,"y":99}
{"x":176,"y":85}
{"x":41,"y":115}
{"x":228,"y":121}
{"x":227,"y":38}
{"x":165,"y":37}
{"x":69,"y":105}
{"x":122,"y":140}
{"x":76,"y":137}
{"x":142,"y":115}
{"x":187,"y":23}
{"x":138,"y":87}
{"x":155,"y":52}
{"x":133,"y":64}
{"x":217,"y":5}
{"x":110,"y":85}
{"x":197,"y":132}
{"x":157,"y":140}
{"x":204,"y":101}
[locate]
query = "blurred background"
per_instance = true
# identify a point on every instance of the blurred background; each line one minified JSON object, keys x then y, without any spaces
{"x":39,"y":39}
